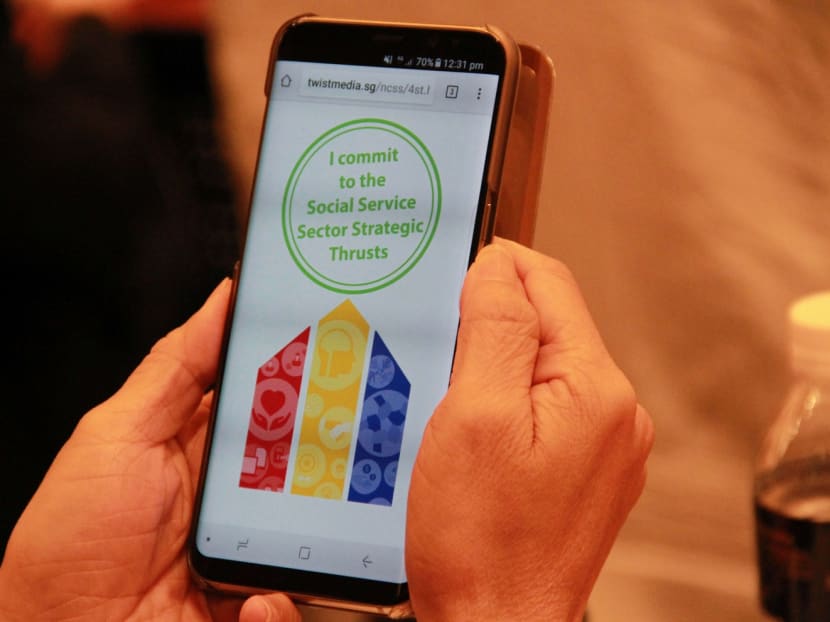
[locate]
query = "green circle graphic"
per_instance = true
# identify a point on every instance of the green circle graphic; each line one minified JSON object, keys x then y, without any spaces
{"x":319,"y":273}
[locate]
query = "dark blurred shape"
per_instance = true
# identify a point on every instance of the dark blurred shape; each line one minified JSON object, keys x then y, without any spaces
{"x":118,"y":221}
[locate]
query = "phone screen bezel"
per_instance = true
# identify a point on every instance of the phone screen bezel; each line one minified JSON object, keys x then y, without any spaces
{"x":354,"y":43}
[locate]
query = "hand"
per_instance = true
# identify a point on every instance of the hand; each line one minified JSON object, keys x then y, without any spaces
{"x":530,"y":465}
{"x":104,"y":536}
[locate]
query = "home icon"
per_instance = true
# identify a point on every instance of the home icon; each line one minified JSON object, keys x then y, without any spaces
{"x":285,"y":81}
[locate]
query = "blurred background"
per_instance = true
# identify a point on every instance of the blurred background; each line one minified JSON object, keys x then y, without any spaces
{"x":687,"y":185}
{"x":118,"y":204}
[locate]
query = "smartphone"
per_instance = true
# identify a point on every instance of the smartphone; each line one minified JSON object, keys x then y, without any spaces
{"x":376,"y":185}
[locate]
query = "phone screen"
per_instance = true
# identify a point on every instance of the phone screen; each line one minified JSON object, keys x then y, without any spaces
{"x":366,"y":209}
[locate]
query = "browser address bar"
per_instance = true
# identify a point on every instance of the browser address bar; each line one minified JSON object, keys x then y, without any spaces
{"x":366,"y":86}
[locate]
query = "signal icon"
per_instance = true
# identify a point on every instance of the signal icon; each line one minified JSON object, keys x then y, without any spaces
{"x":388,"y":59}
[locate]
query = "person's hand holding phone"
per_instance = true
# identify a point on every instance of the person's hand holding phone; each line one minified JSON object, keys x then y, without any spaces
{"x":527,"y":471}
{"x":104,"y":536}
{"x":531,"y":463}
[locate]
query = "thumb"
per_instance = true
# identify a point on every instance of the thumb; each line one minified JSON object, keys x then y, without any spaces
{"x":499,"y":331}
{"x":269,"y":608}
{"x":166,"y":388}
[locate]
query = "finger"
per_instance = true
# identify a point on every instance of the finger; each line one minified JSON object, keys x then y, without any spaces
{"x":498,"y":332}
{"x":644,"y":435}
{"x":162,"y":394}
{"x":568,"y":336}
{"x":269,"y":608}
{"x":192,"y":436}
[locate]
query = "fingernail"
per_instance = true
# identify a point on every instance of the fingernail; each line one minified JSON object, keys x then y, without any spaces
{"x":223,"y":285}
{"x":495,"y":263}
{"x":257,"y":610}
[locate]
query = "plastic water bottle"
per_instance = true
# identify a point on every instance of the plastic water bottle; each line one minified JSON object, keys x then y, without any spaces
{"x":792,"y":482}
